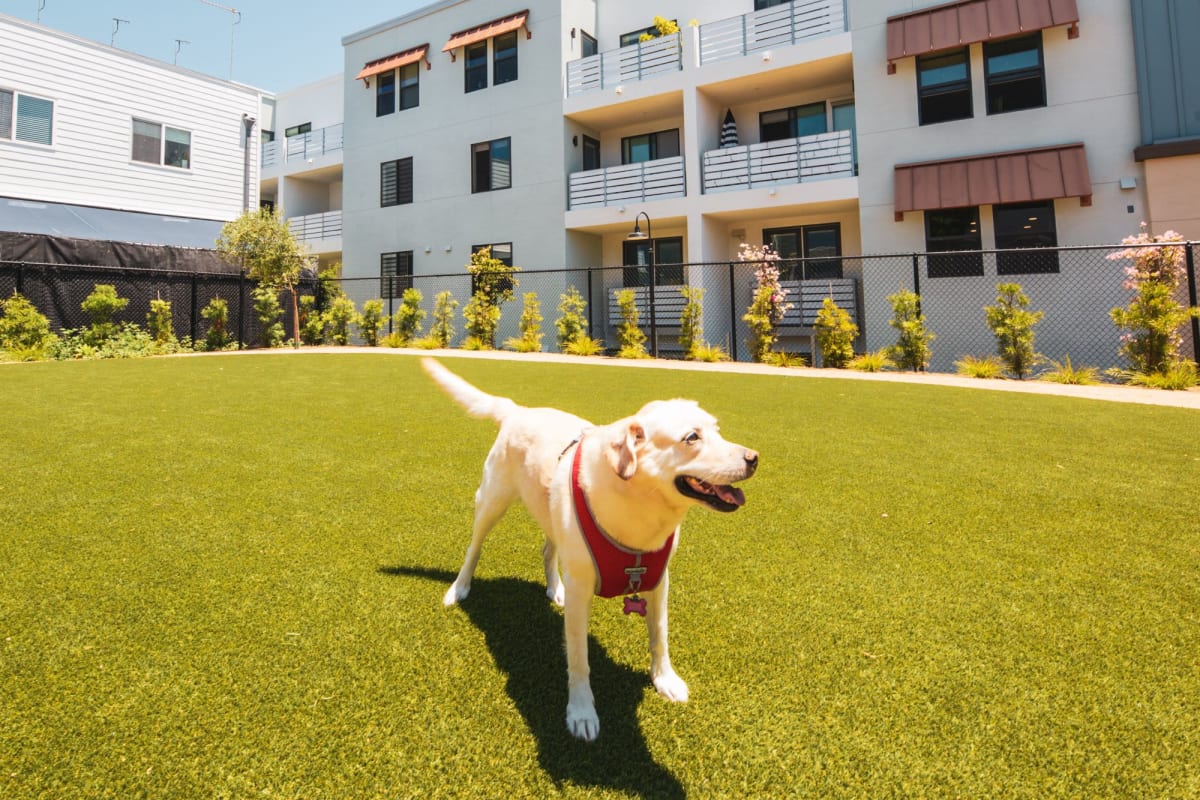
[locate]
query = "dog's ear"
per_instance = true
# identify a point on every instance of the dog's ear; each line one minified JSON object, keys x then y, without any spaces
{"x":622,"y":451}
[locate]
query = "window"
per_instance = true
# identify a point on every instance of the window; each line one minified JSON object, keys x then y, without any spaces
{"x":587,"y":44}
{"x":476,"y":69}
{"x":792,"y":123}
{"x":668,"y":262}
{"x":807,"y":252}
{"x":953,"y":229}
{"x":266,"y":136}
{"x":1015,"y":74}
{"x":635,"y":37}
{"x":410,"y":86}
{"x":385,"y":93}
{"x":396,"y":182}
{"x":491,"y":165}
{"x":1020,"y":225}
{"x":33,"y":120}
{"x":944,"y":87}
{"x":591,"y":153}
{"x":296,"y":130}
{"x":759,"y":5}
{"x":151,"y":146}
{"x":504,"y":58}
{"x":650,"y":146}
{"x":395,"y":273}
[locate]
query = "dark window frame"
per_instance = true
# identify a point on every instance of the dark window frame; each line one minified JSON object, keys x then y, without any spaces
{"x":961,"y":264}
{"x":476,"y":69}
{"x":995,"y":80}
{"x":653,"y":140}
{"x":395,"y":274}
{"x":477,"y":171}
{"x":1039,"y":229}
{"x":635,"y":258}
{"x":297,"y":130}
{"x":591,"y":147}
{"x":940,"y":91}
{"x":408,"y":86}
{"x":501,"y":66}
{"x":394,"y":189}
{"x":385,"y":93}
{"x":793,"y":121}
{"x":763,"y":5}
{"x":587,"y":42}
{"x":635,"y":37}
{"x":805,"y":266}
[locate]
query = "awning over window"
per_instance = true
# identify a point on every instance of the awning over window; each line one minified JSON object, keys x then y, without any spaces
{"x":486,"y":31}
{"x":969,"y":21}
{"x":1045,"y":173}
{"x":388,"y":63}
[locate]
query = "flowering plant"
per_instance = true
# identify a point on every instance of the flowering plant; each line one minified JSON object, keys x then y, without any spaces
{"x":1151,"y":322}
{"x":770,"y":303}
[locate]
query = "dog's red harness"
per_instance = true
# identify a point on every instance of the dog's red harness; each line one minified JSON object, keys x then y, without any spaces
{"x":621,"y":571}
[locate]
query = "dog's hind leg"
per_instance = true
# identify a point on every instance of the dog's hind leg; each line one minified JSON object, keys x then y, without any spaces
{"x":493,"y":498}
{"x":554,"y":585}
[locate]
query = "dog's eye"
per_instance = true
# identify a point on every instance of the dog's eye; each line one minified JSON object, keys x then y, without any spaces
{"x":692,"y":438}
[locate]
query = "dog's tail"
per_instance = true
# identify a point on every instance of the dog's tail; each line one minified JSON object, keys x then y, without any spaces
{"x":477,"y":402}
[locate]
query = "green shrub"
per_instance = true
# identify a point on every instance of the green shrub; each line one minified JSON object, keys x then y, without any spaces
{"x":216,"y":313}
{"x":126,"y":341}
{"x":631,"y":341}
{"x":584,"y":346}
{"x":1175,"y":376}
{"x":158,"y":321}
{"x":708,"y":352}
{"x":872,"y":362}
{"x":269,"y":313}
{"x":340,"y":316}
{"x":428,"y":343}
{"x":835,"y":333}
{"x":370,"y":322}
{"x":1011,"y":322}
{"x":100,"y":306}
{"x":530,"y":340}
{"x":312,"y":322}
{"x":1067,"y":373}
{"x":572,"y":322}
{"x":409,"y":317}
{"x":494,"y":285}
{"x":911,"y":350}
{"x":974,"y":367}
{"x":24,"y":331}
{"x":782,"y":359}
{"x":442,"y":330}
{"x":691,"y":328}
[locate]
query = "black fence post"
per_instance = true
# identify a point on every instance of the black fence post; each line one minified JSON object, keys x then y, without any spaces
{"x":21,"y":279}
{"x":916,"y":265}
{"x":242,"y":310}
{"x":1191,"y":279}
{"x":195,"y":310}
{"x":732,"y":315}
{"x":591,"y":306}
{"x":653,"y":322}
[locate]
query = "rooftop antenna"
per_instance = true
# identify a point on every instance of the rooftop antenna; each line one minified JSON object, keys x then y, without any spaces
{"x":41,"y":7}
{"x":237,"y":17}
{"x":179,"y":43}
{"x":116,"y":27}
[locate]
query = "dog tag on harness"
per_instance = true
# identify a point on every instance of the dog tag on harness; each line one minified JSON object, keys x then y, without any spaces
{"x":635,"y":605}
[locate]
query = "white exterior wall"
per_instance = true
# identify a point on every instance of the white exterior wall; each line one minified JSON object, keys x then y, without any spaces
{"x":97,"y":91}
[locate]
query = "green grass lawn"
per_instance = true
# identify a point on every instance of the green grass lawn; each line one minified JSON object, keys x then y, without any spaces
{"x":222,"y":577}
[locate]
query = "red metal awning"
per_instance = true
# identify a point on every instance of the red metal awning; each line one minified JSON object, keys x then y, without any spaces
{"x":391,"y":62}
{"x":966,"y":22}
{"x":486,"y":31}
{"x":1021,"y":176}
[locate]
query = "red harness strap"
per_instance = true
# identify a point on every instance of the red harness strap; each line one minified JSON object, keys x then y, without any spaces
{"x":621,"y":571}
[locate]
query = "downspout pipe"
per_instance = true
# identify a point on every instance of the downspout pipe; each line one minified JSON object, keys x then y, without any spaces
{"x":247,"y":123}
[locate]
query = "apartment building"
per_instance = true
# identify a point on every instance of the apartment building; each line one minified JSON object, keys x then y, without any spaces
{"x":103,"y":144}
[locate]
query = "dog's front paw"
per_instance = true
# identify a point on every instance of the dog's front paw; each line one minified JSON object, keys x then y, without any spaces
{"x":583,"y":723}
{"x":672,"y":687}
{"x":454,"y":594}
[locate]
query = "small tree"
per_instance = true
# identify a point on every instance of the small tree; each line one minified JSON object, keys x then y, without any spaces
{"x":1012,"y":323}
{"x":261,"y":243}
{"x":630,"y":338}
{"x":371,"y":321}
{"x":216,"y":313}
{"x":530,"y":325}
{"x":835,"y":333}
{"x":911,"y":350}
{"x":1152,"y":320}
{"x":410,"y":316}
{"x":268,"y":311}
{"x":690,"y":328}
{"x":158,"y":321}
{"x":341,"y":315}
{"x":572,"y":322}
{"x":24,"y":331}
{"x":442,"y":330}
{"x":100,"y":307}
{"x":312,"y":321}
{"x":494,"y":285}
{"x":770,"y":300}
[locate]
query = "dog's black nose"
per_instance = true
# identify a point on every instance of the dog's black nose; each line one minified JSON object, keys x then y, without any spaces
{"x":751,"y":460}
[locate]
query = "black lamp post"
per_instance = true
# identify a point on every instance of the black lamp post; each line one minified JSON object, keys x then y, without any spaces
{"x":637,"y":235}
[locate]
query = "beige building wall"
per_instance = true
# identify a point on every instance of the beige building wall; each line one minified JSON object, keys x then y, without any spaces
{"x":1172,"y":195}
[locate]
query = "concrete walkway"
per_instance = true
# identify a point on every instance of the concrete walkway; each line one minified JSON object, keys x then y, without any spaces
{"x":1108,"y":392}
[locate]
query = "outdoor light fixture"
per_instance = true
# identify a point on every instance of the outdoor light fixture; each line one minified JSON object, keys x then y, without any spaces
{"x":638,"y":236}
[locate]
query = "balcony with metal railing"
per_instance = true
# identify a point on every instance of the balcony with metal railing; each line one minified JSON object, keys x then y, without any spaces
{"x":776,"y":26}
{"x":634,"y":62}
{"x":786,"y":161}
{"x":660,"y":179}
{"x":304,"y":146}
{"x":314,"y":228}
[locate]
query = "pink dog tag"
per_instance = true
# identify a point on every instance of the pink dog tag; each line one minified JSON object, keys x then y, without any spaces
{"x":635,"y":605}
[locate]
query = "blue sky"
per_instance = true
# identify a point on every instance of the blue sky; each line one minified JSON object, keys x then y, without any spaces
{"x":278,"y":45}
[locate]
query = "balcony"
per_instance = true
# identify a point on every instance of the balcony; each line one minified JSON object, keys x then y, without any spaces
{"x":772,"y":27}
{"x":303,"y":146}
{"x":316,"y":227}
{"x":824,"y":155}
{"x":648,"y":180}
{"x":635,"y":62}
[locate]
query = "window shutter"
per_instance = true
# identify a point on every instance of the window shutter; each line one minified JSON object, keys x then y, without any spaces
{"x":404,"y":181}
{"x":6,"y":114}
{"x":35,"y":118}
{"x":396,"y":182}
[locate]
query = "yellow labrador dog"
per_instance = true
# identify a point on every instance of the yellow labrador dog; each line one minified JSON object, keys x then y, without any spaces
{"x":610,"y":499}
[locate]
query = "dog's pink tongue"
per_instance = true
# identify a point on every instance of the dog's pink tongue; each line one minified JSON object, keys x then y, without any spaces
{"x":730,"y":494}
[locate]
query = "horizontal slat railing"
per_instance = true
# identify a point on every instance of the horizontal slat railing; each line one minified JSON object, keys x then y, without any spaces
{"x":315,"y":143}
{"x":313,"y":227}
{"x":824,"y":155}
{"x":772,"y":27}
{"x":647,"y":180}
{"x":806,"y":298}
{"x":635,"y":62}
{"x":669,"y":303}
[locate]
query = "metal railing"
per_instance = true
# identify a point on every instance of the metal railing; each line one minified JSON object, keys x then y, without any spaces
{"x":779,"y":25}
{"x":315,"y":143}
{"x":823,"y":155}
{"x":634,"y":62}
{"x":314,"y":227}
{"x":647,"y":180}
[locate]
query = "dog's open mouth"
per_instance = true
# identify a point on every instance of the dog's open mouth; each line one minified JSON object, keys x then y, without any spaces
{"x":715,"y":496}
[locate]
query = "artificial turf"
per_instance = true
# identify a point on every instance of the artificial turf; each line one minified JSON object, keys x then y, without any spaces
{"x":221,"y":577}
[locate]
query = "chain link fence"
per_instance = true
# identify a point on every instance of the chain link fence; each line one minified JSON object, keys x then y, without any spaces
{"x":1074,"y":287}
